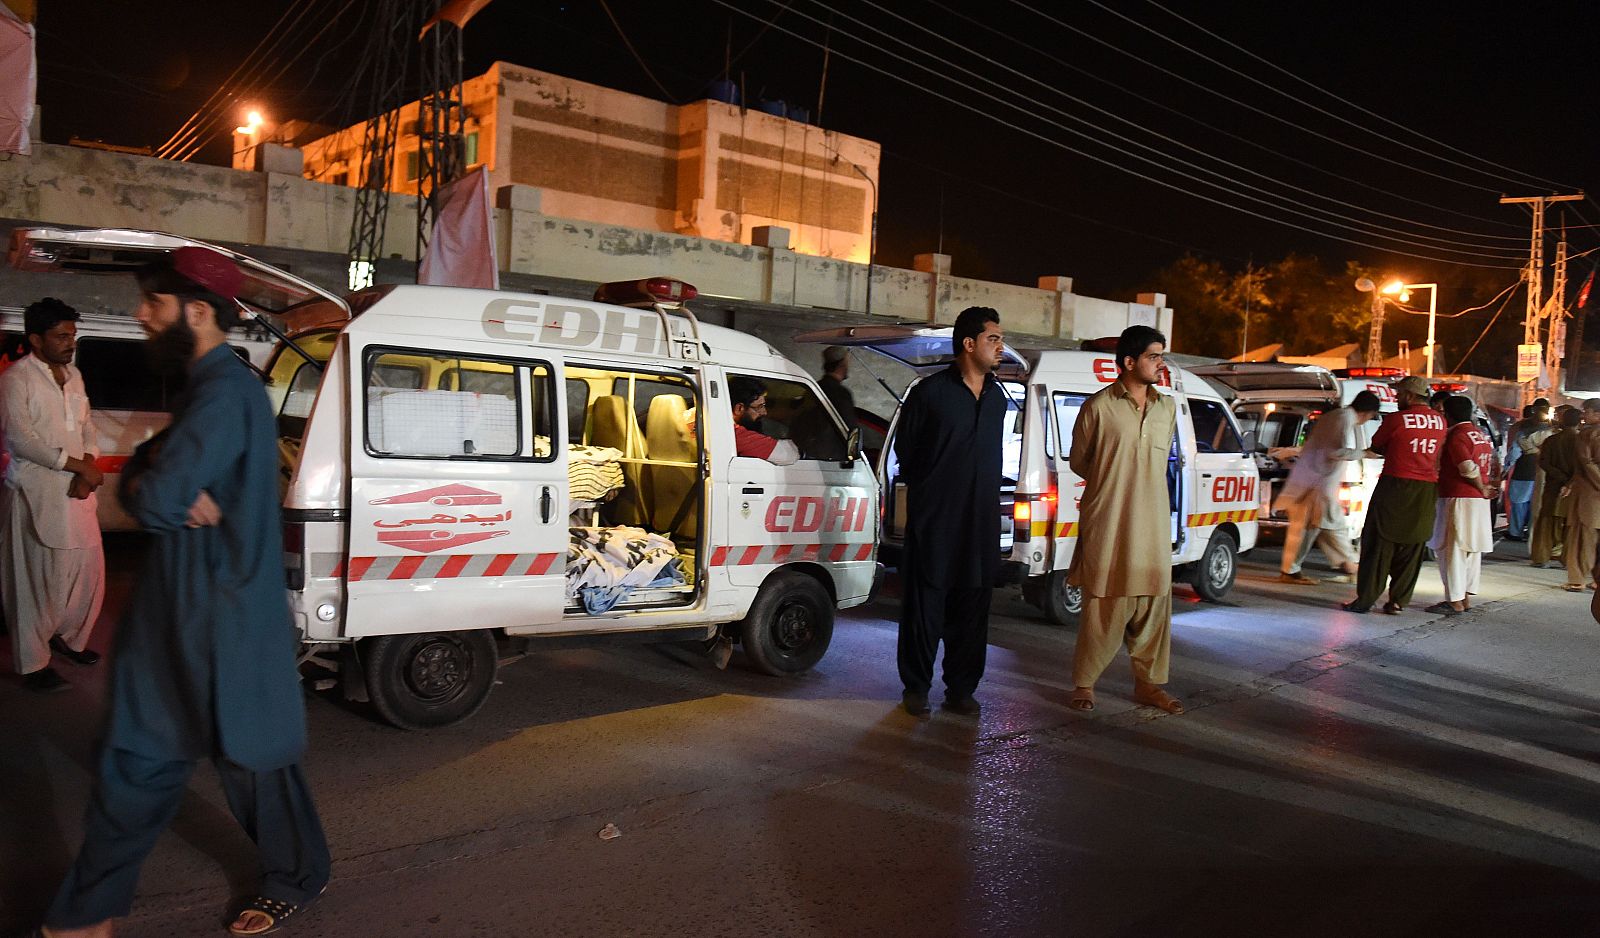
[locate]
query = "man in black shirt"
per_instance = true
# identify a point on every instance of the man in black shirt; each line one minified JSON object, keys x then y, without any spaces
{"x":948,"y":444}
{"x":835,"y":371}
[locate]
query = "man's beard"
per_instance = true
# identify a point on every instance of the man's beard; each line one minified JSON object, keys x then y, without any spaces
{"x":172,"y":349}
{"x":750,"y":423}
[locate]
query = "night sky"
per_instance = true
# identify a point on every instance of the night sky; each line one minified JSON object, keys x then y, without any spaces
{"x":1445,"y":107}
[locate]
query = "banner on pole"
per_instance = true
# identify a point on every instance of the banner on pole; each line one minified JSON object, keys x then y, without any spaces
{"x":1529,"y":360}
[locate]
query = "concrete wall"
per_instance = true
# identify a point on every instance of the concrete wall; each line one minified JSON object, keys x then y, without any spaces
{"x":308,"y":225}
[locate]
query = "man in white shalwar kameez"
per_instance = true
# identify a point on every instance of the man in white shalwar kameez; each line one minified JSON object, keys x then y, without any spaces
{"x":52,"y":568}
{"x":1461,"y":527}
{"x":1310,"y":496}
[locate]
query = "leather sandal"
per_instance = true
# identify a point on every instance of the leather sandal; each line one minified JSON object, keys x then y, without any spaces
{"x":1082,"y":699}
{"x":275,"y":912}
{"x":1158,"y":698}
{"x":1392,"y":608}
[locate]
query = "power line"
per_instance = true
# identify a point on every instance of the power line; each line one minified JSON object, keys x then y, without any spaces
{"x":1393,"y":123}
{"x":1253,"y":142}
{"x":1506,"y":302}
{"x":1122,"y":168}
{"x":1167,"y":138}
{"x":1148,"y":64}
{"x":623,"y":35}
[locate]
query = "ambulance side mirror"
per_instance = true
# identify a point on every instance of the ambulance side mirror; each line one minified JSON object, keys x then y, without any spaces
{"x":852,"y":447}
{"x":1249,"y":439}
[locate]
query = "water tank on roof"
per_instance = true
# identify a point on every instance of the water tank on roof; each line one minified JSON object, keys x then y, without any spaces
{"x":775,"y":108}
{"x":725,"y":91}
{"x":800,"y":114}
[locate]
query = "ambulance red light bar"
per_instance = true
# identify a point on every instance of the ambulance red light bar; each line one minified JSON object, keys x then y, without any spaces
{"x":1107,"y":344}
{"x":1371,"y":372}
{"x":647,"y":292}
{"x":1454,"y":387}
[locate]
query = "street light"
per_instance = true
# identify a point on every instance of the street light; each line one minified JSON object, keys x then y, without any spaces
{"x":1401,"y":291}
{"x":1403,"y":294}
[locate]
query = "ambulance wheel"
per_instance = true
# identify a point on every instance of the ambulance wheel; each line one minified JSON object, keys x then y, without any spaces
{"x":789,"y":625}
{"x":431,"y":679}
{"x":1061,"y":602}
{"x":1213,"y":575}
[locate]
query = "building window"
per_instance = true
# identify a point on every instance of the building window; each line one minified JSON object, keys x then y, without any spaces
{"x":411,"y":166}
{"x":470,"y":149}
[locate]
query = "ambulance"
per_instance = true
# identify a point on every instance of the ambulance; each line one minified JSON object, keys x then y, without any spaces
{"x":1212,"y":482}
{"x":129,"y":401}
{"x":470,"y":471}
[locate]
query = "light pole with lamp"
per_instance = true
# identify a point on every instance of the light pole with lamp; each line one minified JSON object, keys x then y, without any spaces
{"x":1402,"y":292}
{"x":872,"y":237}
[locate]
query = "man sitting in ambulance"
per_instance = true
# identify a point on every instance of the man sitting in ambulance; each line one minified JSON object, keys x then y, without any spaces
{"x":749,"y":397}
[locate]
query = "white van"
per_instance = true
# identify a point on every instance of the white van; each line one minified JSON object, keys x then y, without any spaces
{"x":1212,"y":482}
{"x":129,"y":401}
{"x":470,"y":466}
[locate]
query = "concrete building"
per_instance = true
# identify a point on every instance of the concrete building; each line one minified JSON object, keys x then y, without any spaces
{"x":705,"y":169}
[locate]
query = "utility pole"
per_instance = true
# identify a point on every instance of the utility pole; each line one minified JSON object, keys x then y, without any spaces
{"x":1557,"y":311}
{"x":1375,"y":335}
{"x":1535,"y":310}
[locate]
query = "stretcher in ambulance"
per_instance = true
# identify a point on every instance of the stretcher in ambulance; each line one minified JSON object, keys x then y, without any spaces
{"x":1211,"y":479}
{"x":468,"y":469}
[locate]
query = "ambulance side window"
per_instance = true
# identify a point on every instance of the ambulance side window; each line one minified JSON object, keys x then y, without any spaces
{"x":1213,"y":431}
{"x":116,"y":376}
{"x":795,"y":412}
{"x":423,"y":404}
{"x":1066,"y":408}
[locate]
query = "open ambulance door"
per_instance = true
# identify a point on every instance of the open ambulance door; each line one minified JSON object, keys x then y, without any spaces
{"x":458,"y":490}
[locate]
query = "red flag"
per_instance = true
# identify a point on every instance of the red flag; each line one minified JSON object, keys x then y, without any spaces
{"x":1583,"y":294}
{"x":454,"y":11}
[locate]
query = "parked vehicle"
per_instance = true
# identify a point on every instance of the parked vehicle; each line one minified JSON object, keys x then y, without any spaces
{"x":129,"y":401}
{"x":1212,"y":483}
{"x":468,"y":468}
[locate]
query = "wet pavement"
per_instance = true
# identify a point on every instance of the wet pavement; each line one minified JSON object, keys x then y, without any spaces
{"x":1335,"y":774}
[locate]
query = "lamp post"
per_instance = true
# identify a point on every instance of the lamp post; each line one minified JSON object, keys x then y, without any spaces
{"x":872,"y":237}
{"x":1401,"y":291}
{"x":1433,"y":311}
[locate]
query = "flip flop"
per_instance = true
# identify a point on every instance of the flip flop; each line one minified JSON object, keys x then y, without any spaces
{"x":1353,"y":606}
{"x":1443,"y":609}
{"x":1082,"y":699}
{"x":276,"y":912}
{"x":1392,"y":608}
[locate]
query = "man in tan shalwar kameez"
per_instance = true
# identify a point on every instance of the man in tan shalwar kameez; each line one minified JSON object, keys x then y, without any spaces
{"x":1123,"y":561}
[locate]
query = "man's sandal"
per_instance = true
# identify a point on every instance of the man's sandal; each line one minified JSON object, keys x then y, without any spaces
{"x":269,"y":915}
{"x":1082,"y":699}
{"x":1392,"y":608}
{"x":1158,"y":698}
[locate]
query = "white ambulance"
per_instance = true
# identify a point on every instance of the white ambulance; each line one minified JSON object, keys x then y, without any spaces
{"x":1211,"y":480}
{"x":129,"y":401}
{"x":468,"y":467}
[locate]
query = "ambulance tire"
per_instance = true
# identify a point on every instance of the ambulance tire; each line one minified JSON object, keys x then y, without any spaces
{"x":1061,"y":602}
{"x":1214,"y":574}
{"x":430,"y":679}
{"x":789,"y":626}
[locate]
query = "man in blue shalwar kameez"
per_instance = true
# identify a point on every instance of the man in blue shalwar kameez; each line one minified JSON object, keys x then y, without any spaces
{"x":205,"y":656}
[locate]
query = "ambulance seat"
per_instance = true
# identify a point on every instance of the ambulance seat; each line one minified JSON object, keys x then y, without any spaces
{"x":667,"y":437}
{"x":613,"y":424}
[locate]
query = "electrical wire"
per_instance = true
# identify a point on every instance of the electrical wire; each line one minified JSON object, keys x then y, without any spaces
{"x":636,"y":56}
{"x":1492,"y":320}
{"x":172,"y":142}
{"x":1164,"y":137}
{"x":1370,"y":113}
{"x":1146,"y":63}
{"x":1422,"y":312}
{"x":289,"y":63}
{"x":1119,"y":166}
{"x":1253,"y":142}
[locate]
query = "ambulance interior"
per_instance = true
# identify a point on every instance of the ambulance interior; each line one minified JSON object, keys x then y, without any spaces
{"x":633,"y":454}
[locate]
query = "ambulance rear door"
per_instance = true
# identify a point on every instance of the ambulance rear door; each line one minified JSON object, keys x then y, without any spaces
{"x":458,"y":487}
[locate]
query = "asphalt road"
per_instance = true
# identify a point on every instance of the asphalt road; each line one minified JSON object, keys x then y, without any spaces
{"x":1335,"y":775}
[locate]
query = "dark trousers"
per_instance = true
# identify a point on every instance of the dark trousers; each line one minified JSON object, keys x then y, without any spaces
{"x":1387,"y":562}
{"x":960,"y":617}
{"x":135,"y":799}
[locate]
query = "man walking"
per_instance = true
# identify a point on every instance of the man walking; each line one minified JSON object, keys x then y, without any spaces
{"x":52,"y":567}
{"x":948,"y":445}
{"x":1123,"y":562}
{"x":1400,"y":515}
{"x":1311,"y":494}
{"x":205,"y":662}
{"x":1583,"y":514}
{"x":1558,"y":462}
{"x":1461,"y":527}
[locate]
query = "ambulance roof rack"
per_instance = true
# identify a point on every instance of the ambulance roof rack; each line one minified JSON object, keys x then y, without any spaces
{"x":658,"y":293}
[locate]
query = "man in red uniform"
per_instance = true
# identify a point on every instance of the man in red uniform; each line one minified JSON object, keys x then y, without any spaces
{"x":1461,"y":531}
{"x":749,"y":398}
{"x":1400,"y":516}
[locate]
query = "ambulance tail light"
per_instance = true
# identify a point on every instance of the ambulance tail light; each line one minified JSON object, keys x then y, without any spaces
{"x":1026,"y":509}
{"x":294,"y":547}
{"x":1347,"y":497}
